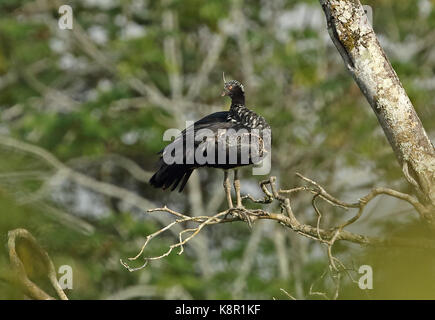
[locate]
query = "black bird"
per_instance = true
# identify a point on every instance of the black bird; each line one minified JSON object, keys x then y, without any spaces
{"x":248,"y":129}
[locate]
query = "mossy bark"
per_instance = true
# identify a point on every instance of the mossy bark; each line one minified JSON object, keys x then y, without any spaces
{"x":359,"y":47}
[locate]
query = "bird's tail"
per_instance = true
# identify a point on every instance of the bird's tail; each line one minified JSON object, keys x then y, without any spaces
{"x":171,"y":175}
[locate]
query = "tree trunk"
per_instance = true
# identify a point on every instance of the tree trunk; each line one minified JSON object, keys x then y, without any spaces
{"x":359,"y":47}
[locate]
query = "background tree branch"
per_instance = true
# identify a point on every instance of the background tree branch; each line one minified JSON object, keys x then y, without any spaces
{"x":364,"y":57}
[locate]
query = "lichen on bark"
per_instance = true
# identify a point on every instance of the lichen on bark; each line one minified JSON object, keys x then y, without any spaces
{"x":364,"y":57}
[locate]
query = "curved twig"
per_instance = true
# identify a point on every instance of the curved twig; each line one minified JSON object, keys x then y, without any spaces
{"x":29,"y":287}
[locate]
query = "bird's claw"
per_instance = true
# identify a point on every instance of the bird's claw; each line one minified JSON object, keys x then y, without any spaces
{"x":248,"y":220}
{"x":240,"y":213}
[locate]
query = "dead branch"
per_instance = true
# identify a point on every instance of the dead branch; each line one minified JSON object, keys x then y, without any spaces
{"x":286,"y":218}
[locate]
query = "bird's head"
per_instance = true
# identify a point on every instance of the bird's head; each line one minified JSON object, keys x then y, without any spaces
{"x":233,"y":89}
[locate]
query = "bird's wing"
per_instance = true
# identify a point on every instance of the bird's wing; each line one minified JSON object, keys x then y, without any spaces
{"x":212,"y":136}
{"x":211,"y":122}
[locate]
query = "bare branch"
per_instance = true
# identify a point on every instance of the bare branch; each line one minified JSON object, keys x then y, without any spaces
{"x":287,"y":218}
{"x":66,"y":172}
{"x":216,"y":47}
{"x":172,"y":53}
{"x":202,"y":221}
{"x":359,"y":47}
{"x":287,"y":294}
{"x":132,"y":167}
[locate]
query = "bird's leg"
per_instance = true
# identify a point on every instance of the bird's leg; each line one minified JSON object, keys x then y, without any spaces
{"x":227,"y":187}
{"x":237,"y":188}
{"x":242,"y":212}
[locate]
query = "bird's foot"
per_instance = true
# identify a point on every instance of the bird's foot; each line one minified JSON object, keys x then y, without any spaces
{"x":243,"y":215}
